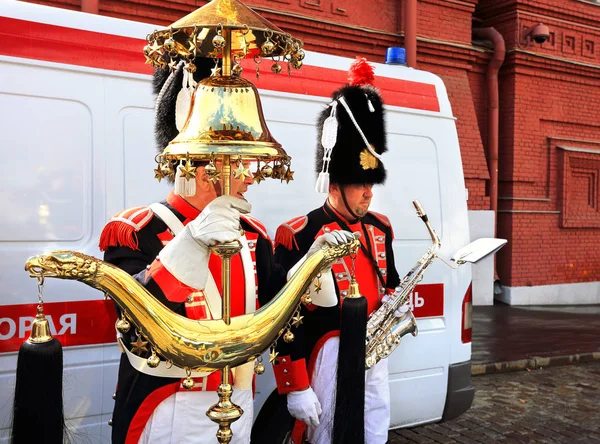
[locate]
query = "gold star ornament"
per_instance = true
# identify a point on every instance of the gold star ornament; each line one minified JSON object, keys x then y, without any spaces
{"x":297,"y":320}
{"x":318,"y":286}
{"x":139,"y":346}
{"x":188,"y":171}
{"x":241,"y":172}
{"x":273,"y":356}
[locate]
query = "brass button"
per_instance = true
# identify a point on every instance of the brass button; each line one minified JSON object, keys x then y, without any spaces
{"x":190,"y":299}
{"x":287,"y":384}
{"x":344,"y":293}
{"x":114,"y":396}
{"x":382,"y":255}
{"x":379,"y":238}
{"x":383,"y":271}
{"x":341,"y":275}
{"x":251,"y":244}
{"x":284,"y":360}
{"x":285,"y":371}
{"x":110,"y":422}
{"x":326,"y":229}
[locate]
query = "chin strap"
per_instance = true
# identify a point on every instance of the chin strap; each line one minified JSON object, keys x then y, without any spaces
{"x":343,"y":192}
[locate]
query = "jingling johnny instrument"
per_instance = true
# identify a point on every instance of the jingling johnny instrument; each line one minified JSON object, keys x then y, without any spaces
{"x":223,"y":124}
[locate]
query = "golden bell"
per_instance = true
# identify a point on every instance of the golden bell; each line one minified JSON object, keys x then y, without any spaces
{"x":188,"y":383}
{"x":259,"y":368}
{"x":153,"y":361}
{"x":123,"y":325}
{"x":288,"y":337}
{"x":40,"y":329}
{"x":225,"y":118}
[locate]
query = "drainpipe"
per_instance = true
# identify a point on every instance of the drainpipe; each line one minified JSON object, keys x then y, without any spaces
{"x":89,"y":6}
{"x":493,"y":112}
{"x":410,"y":32}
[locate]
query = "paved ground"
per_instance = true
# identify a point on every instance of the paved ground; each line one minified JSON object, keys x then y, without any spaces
{"x":505,"y":333}
{"x":553,"y":405}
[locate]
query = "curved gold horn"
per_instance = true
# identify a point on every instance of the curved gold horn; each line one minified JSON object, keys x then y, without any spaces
{"x":198,"y":345}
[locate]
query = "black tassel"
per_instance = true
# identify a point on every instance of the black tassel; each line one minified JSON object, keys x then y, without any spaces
{"x":38,"y":404}
{"x":349,"y":419}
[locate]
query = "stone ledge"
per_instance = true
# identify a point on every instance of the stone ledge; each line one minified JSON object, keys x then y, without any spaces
{"x":532,"y":363}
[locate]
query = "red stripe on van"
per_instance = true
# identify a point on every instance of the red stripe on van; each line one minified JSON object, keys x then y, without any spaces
{"x":39,"y":41}
{"x":92,"y":322}
{"x":59,"y":44}
{"x":72,"y":323}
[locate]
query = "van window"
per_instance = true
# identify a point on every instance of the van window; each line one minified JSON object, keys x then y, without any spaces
{"x":45,"y":185}
{"x":139,"y":150}
{"x":412,"y":174}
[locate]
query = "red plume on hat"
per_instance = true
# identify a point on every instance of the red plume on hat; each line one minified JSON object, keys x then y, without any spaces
{"x":361,"y":72}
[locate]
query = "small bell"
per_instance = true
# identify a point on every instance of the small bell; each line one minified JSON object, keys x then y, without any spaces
{"x":188,"y":383}
{"x":267,"y":171}
{"x":288,"y":337}
{"x":169,"y":44}
{"x":276,"y":68}
{"x":153,"y":360}
{"x":123,"y":325}
{"x":259,"y":368}
{"x":306,"y":299}
{"x":354,"y":291}
{"x":268,"y":47}
{"x":218,"y":41}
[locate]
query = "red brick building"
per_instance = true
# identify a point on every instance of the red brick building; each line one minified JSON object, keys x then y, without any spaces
{"x":549,"y":114}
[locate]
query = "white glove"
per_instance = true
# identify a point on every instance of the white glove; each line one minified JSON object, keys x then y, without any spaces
{"x":336,"y":237}
{"x":219,"y":222}
{"x":400,"y":311}
{"x":186,"y":256}
{"x":305,"y":406}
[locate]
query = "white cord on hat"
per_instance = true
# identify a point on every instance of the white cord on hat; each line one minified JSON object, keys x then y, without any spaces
{"x":367,"y":144}
{"x":328,"y":140}
{"x":166,"y":85}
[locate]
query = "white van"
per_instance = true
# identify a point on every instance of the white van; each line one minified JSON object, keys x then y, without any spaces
{"x":77,"y":136}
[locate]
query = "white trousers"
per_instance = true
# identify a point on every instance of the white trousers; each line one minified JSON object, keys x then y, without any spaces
{"x":377,"y":397}
{"x":181,"y":418}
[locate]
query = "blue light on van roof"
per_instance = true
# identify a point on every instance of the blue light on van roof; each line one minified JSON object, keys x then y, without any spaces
{"x":395,"y":55}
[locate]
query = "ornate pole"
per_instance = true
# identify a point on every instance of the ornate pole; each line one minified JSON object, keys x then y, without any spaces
{"x":226,"y":412}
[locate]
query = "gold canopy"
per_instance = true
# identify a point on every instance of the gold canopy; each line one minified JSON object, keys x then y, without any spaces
{"x":199,"y":34}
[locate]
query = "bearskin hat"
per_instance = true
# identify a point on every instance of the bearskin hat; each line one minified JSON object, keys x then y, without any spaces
{"x":165,"y":129}
{"x":357,"y":108}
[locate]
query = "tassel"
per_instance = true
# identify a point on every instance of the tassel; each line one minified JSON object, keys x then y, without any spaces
{"x":322,"y":185}
{"x":179,"y":180}
{"x":38,"y":404}
{"x":348,"y":422}
{"x":184,"y":100}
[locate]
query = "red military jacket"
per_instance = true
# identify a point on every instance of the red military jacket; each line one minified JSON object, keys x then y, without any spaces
{"x":374,"y":270}
{"x":132,"y":241}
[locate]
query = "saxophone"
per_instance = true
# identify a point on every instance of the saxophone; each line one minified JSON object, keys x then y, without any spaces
{"x":384,"y":329}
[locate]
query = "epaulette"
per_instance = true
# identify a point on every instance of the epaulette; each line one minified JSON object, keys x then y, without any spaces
{"x":256,"y":224}
{"x":381,"y":218}
{"x":286,"y":233}
{"x":122,"y":229}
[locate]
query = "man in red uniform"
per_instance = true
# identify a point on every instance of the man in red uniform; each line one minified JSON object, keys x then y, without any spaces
{"x":151,"y":405}
{"x":324,"y":389}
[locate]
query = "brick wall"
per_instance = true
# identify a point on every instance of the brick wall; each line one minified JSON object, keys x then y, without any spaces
{"x":549,"y":207}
